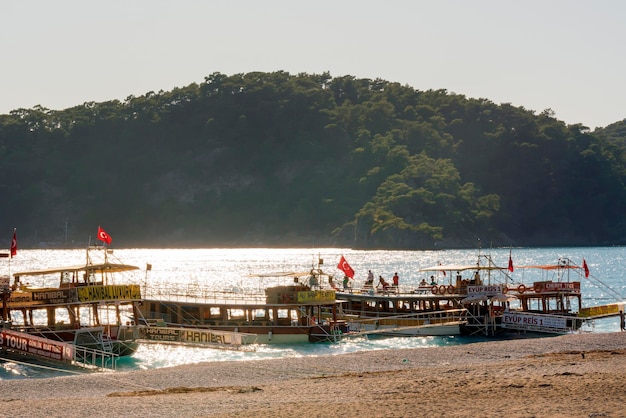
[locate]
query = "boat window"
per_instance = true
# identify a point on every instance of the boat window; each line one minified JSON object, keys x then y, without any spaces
{"x":66,"y":277}
{"x":236,"y":314}
{"x":260,"y":314}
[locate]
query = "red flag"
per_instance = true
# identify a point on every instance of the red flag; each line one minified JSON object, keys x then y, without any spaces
{"x":14,"y":243}
{"x":586,"y":268}
{"x":103,"y":236}
{"x":345,"y":267}
{"x":510,"y":263}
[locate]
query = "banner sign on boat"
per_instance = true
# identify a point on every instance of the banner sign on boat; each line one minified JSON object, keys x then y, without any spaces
{"x":518,"y":320}
{"x":190,"y":336}
{"x":22,"y":299}
{"x":109,"y":292}
{"x":484,"y":290}
{"x":37,"y":346}
{"x":316,"y":296}
{"x":55,"y":296}
{"x":546,"y":287}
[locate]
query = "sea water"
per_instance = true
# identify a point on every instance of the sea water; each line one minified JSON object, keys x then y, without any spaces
{"x":239,"y":270}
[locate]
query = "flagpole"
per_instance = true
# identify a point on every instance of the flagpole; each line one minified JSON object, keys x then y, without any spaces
{"x":13,"y":249}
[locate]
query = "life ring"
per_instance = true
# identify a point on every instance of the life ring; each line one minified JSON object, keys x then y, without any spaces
{"x":505,"y":290}
{"x":442,"y":289}
{"x":521,"y":289}
{"x":434,"y":289}
{"x":451,"y":289}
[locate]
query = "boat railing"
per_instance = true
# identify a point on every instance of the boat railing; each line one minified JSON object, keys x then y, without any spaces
{"x":194,"y":292}
{"x":427,"y":318}
{"x":94,"y":359}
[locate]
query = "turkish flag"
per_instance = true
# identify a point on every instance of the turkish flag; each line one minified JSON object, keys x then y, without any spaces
{"x":345,"y":267}
{"x":103,"y":236}
{"x":586,"y":268}
{"x":14,"y":244}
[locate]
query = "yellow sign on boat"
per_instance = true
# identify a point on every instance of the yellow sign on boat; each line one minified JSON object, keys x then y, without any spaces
{"x":109,"y":292}
{"x":598,"y":310}
{"x":316,"y":296}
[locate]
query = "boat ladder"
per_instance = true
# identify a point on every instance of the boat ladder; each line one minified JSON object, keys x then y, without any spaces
{"x":107,"y":346}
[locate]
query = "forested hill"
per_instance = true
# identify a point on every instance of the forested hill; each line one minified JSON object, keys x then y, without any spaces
{"x":308,"y":160}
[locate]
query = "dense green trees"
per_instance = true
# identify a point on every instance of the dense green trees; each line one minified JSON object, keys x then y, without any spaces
{"x":301,"y":160}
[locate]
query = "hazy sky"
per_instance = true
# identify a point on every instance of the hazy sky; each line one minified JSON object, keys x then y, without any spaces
{"x":566,"y":55}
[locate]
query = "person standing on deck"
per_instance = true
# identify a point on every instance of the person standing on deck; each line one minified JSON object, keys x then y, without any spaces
{"x":346,"y":282}
{"x":395,"y":281}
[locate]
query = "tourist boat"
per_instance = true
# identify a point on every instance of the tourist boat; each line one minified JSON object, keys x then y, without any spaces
{"x":281,"y":314}
{"x":550,"y":304}
{"x":81,"y":307}
{"x":401,"y":313}
{"x":498,"y":303}
{"x":395,"y":311}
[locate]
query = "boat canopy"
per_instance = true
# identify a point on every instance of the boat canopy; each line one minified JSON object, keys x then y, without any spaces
{"x":550,"y":267}
{"x":95,"y":268}
{"x":474,"y":298}
{"x":315,"y":272}
{"x":461,"y":267}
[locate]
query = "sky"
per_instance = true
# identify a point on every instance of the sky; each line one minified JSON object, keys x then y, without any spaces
{"x":563,"y":55}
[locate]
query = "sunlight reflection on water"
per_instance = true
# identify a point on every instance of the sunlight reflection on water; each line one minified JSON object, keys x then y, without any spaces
{"x":232,"y":268}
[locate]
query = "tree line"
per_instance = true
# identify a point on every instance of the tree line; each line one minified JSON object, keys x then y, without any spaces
{"x":275,"y":159}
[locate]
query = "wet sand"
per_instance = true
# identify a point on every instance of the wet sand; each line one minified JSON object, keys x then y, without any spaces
{"x":581,"y":375}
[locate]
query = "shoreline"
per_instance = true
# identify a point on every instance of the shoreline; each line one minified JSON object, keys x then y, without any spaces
{"x":569,"y":376}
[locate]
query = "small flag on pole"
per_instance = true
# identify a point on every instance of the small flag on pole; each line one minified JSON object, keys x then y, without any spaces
{"x":103,"y":236}
{"x":14,"y":243}
{"x":510,"y":262}
{"x":586,"y":268}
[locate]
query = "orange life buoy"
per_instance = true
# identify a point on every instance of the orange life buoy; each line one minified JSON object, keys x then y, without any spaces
{"x":521,"y":289}
{"x":442,"y":289}
{"x":451,"y":289}
{"x":434,"y":289}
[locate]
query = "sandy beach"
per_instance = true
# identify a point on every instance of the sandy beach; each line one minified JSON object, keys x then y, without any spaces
{"x":581,"y":375}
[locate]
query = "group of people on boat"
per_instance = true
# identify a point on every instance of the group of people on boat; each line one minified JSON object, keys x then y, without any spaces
{"x":383,"y":285}
{"x":424,"y":283}
{"x":345,"y":283}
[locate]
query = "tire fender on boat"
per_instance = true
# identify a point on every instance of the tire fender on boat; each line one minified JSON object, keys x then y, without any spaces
{"x":434,"y":289}
{"x":451,"y":289}
{"x":505,"y":290}
{"x":442,"y":289}
{"x":521,"y":289}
